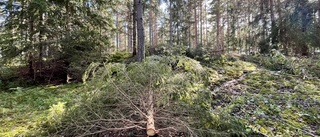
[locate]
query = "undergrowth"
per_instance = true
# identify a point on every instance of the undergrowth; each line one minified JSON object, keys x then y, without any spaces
{"x":115,"y":101}
{"x":26,"y":111}
{"x":216,"y":96}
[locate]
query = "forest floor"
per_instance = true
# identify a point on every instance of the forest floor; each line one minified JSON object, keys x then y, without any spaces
{"x":269,"y":102}
{"x":273,"y":103}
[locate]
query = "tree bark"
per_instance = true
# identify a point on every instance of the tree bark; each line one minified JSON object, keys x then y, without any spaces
{"x":273,"y":24}
{"x":205,"y":25}
{"x":304,"y":14}
{"x":134,"y":33}
{"x":318,"y":11}
{"x":218,"y":25}
{"x":228,"y":29}
{"x":117,"y":34}
{"x":264,"y":47}
{"x":195,"y":25}
{"x":170,"y":22}
{"x":41,"y":39}
{"x":189,"y":26}
{"x":151,"y":27}
{"x":233,"y":24}
{"x":68,"y":27}
{"x":155,"y":25}
{"x":141,"y":48}
{"x":129,"y":28}
{"x":201,"y":19}
{"x":155,"y":30}
{"x":31,"y":61}
{"x":281,"y":29}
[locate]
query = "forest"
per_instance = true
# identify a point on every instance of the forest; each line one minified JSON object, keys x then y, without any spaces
{"x":160,"y":68}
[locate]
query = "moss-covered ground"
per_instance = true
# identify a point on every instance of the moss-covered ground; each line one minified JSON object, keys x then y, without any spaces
{"x":27,"y":111}
{"x":273,"y":102}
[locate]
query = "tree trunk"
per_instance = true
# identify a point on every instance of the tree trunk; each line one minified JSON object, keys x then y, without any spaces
{"x":218,"y":25}
{"x":170,"y":22}
{"x":68,"y":27}
{"x":205,"y":25}
{"x":134,"y":33}
{"x":189,"y":26}
{"x":281,"y":29}
{"x":31,"y":61}
{"x":273,"y":24}
{"x":11,"y":17}
{"x":319,"y":11}
{"x":151,"y":27}
{"x":41,"y":39}
{"x":304,"y":14}
{"x":228,"y":29}
{"x":233,"y":24}
{"x":195,"y":42}
{"x":155,"y":25}
{"x":117,"y":34}
{"x":141,"y":48}
{"x":264,"y":45}
{"x":155,"y":30}
{"x":201,"y":19}
{"x":129,"y":28}
{"x":22,"y":21}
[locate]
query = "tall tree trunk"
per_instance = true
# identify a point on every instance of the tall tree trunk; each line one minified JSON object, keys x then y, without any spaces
{"x":11,"y":23}
{"x":155,"y":25}
{"x":201,"y":19}
{"x":318,"y":11}
{"x":218,"y":44}
{"x":304,"y":14}
{"x":239,"y":40}
{"x":155,"y":29}
{"x":222,"y":35}
{"x":117,"y":33}
{"x":189,"y":26}
{"x":68,"y":27}
{"x":205,"y":25}
{"x":134,"y":33}
{"x":129,"y":28}
{"x":228,"y":29}
{"x":41,"y":41}
{"x":195,"y":42}
{"x":248,"y":30}
{"x":281,"y":29}
{"x":170,"y":22}
{"x":31,"y":60}
{"x":22,"y":21}
{"x":141,"y":48}
{"x":264,"y":45}
{"x":151,"y":26}
{"x":273,"y":24}
{"x":234,"y":14}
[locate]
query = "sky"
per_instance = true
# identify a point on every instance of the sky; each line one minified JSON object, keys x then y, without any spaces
{"x":1,"y":15}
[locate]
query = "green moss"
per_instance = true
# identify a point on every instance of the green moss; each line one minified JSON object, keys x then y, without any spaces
{"x":191,"y":65}
{"x":213,"y":76}
{"x":292,"y":117}
{"x":25,"y":110}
